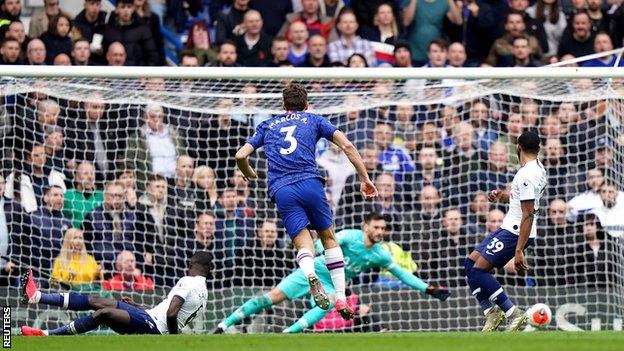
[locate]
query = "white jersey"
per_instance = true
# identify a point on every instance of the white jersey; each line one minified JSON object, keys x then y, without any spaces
{"x":193,"y":291}
{"x":529,"y":183}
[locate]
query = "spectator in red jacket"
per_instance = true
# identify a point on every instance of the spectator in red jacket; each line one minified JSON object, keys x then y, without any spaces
{"x":128,"y":276}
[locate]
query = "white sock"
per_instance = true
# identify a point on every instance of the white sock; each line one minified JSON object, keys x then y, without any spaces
{"x":335,"y":264}
{"x":36,"y":297}
{"x":487,"y":310}
{"x":305,"y":259}
{"x":510,"y":311}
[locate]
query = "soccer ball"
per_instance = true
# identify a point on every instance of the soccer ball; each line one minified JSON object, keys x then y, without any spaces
{"x":539,"y":315}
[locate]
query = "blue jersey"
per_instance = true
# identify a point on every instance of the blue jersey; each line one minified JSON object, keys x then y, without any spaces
{"x":289,"y":142}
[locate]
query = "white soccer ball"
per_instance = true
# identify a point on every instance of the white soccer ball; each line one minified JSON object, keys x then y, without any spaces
{"x":539,"y":315}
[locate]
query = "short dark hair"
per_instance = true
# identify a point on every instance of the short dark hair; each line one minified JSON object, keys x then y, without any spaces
{"x":295,"y":97}
{"x":373,"y":216}
{"x":204,"y":259}
{"x":227,"y":42}
{"x":514,"y":13}
{"x":530,"y":142}
{"x":443,"y":44}
{"x":125,"y":2}
{"x":187,"y":54}
{"x":154,"y":177}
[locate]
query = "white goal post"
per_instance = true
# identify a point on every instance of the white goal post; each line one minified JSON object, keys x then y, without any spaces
{"x":454,"y":130}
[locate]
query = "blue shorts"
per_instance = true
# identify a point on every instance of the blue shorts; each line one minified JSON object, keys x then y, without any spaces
{"x":140,"y":321}
{"x":303,"y":204}
{"x":500,"y":247}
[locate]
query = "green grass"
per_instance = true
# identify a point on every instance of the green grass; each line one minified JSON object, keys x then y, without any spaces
{"x":547,"y":341}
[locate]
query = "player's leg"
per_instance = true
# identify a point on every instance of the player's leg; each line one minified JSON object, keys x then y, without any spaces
{"x":307,"y":320}
{"x":289,"y":201}
{"x":496,"y":251}
{"x":70,"y":301}
{"x":320,"y":216}
{"x":293,"y":286}
{"x":493,"y":315}
{"x":106,"y":316}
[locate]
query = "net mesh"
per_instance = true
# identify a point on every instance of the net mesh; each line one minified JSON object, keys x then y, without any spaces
{"x":433,"y":148}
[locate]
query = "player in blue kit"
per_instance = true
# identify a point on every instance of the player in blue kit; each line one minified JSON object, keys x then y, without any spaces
{"x":363,"y":251}
{"x":297,"y":188}
{"x":509,"y":241}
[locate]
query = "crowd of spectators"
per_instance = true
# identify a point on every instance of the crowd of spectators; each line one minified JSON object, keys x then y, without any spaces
{"x":125,"y":193}
{"x":317,"y":33}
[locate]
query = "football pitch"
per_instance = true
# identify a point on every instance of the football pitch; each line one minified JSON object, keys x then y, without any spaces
{"x":547,"y":341}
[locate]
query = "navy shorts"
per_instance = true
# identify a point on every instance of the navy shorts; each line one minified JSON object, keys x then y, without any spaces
{"x":500,"y":247}
{"x":140,"y":321}
{"x":303,"y":204}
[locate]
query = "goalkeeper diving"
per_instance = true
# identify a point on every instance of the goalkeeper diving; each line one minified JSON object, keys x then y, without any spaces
{"x":362,"y":251}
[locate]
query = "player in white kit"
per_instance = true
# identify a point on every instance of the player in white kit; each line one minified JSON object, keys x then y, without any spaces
{"x":187,"y":298}
{"x":508,"y":242}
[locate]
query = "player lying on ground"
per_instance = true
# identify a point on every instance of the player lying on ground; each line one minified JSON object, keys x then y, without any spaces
{"x":296,"y":186}
{"x":363,"y":252}
{"x":186,"y":299}
{"x":509,"y":241}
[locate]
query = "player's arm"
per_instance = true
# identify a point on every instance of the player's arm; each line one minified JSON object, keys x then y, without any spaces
{"x":367,"y":187}
{"x":242,"y":161}
{"x":500,"y":195}
{"x":525,"y":230}
{"x":172,"y":314}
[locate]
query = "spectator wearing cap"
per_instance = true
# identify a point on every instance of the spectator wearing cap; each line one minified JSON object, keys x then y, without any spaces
{"x":603,"y":154}
{"x":402,"y":54}
{"x":40,"y":20}
{"x":128,"y":277}
{"x":602,"y":43}
{"x":254,"y":47}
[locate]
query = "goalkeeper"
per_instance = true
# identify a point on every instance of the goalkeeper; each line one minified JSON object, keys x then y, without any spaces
{"x":362,"y":251}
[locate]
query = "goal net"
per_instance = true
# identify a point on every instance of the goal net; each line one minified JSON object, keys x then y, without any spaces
{"x":145,"y":170}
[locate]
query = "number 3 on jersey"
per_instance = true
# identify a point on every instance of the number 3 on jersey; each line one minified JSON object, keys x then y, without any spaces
{"x":290,"y":139}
